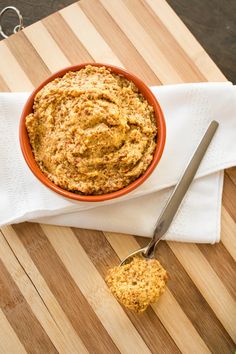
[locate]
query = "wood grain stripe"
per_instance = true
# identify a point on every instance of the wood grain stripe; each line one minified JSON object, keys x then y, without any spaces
{"x":44,"y":44}
{"x":53,"y":277}
{"x":118,"y":42}
{"x":9,"y":342}
{"x":21,"y":317}
{"x":3,"y":85}
{"x":94,"y":288}
{"x":164,"y":310}
{"x":68,"y":295}
{"x":17,"y":82}
{"x":72,"y":47}
{"x":229,"y":196}
{"x":71,"y":343}
{"x":206,"y":322}
{"x":125,"y":244}
{"x":228,"y":232}
{"x":27,"y":57}
{"x":210,"y":286}
{"x":90,"y":38}
{"x":231,"y":172}
{"x":103,"y":257}
{"x":186,"y":40}
{"x":222,"y":263}
{"x":165,"y":41}
{"x":161,"y":65}
{"x":31,"y":295}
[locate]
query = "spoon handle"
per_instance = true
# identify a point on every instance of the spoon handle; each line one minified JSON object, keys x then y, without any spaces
{"x":180,"y":190}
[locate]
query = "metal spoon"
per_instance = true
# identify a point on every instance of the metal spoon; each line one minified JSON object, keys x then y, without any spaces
{"x":176,"y":197}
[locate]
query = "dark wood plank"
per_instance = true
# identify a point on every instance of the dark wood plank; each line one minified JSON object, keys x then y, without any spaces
{"x":28,"y":58}
{"x":213,"y":23}
{"x":32,"y":11}
{"x":104,"y":257}
{"x":222,"y":263}
{"x":118,"y":42}
{"x":68,"y":295}
{"x":155,"y":29}
{"x":21,"y":318}
{"x":231,"y":172}
{"x":72,"y":47}
{"x":229,"y":196}
{"x":192,"y":302}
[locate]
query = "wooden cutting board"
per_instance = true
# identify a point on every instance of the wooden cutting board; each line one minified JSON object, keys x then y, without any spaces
{"x":52,"y":296}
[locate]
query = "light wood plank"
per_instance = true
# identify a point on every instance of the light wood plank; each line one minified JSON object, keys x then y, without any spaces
{"x":161,"y":65}
{"x":17,"y":81}
{"x":32,"y":297}
{"x":3,"y":85}
{"x":228,"y":232}
{"x":71,"y":299}
{"x":89,"y":37}
{"x":208,"y":283}
{"x":28,"y":58}
{"x":72,"y":47}
{"x":225,"y":269}
{"x":147,"y":324}
{"x":118,"y":42}
{"x":46,"y":47}
{"x":165,"y":41}
{"x":167,"y":306}
{"x":141,"y":38}
{"x":186,"y":40}
{"x":9,"y":342}
{"x":229,"y":197}
{"x":95,"y":290}
{"x":72,"y":342}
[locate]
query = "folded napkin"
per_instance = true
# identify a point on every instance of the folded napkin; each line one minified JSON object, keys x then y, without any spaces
{"x":188,"y":109}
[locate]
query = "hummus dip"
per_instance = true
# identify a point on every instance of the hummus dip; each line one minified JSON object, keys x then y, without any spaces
{"x":92,"y":131}
{"x":137,"y":284}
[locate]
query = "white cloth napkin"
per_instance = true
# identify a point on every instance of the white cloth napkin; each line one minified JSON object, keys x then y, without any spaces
{"x":188,"y":109}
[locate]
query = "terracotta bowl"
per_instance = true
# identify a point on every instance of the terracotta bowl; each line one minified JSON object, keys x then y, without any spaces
{"x":29,"y":157}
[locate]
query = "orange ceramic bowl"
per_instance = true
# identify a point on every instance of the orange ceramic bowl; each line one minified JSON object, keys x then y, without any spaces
{"x":29,"y":157}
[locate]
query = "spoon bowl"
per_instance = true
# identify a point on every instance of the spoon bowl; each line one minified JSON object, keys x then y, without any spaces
{"x":138,"y":253}
{"x":141,"y":252}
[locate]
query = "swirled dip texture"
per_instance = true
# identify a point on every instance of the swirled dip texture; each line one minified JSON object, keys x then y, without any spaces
{"x":137,"y":284}
{"x":91,"y":131}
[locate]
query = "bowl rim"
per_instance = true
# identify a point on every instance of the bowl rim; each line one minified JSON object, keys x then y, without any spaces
{"x":29,"y":157}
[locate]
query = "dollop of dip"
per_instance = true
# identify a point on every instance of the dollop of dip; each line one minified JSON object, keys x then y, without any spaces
{"x":91,"y":131}
{"x":137,"y":284}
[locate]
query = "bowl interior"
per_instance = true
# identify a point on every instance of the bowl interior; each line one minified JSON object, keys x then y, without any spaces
{"x":29,"y":157}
